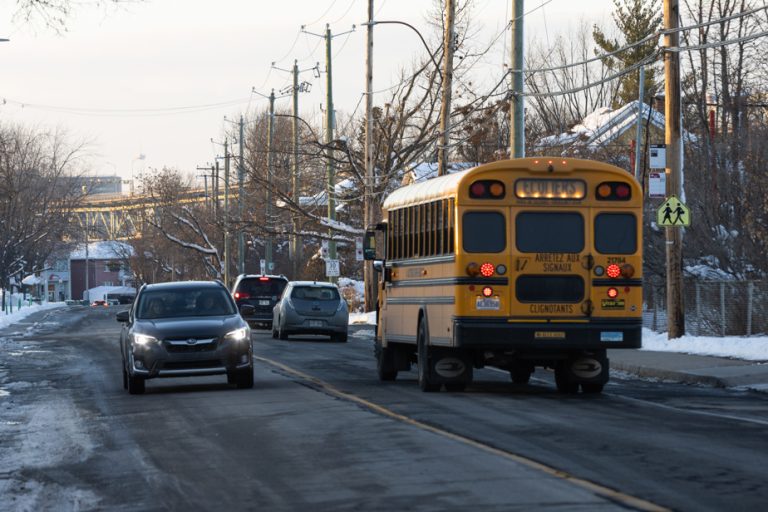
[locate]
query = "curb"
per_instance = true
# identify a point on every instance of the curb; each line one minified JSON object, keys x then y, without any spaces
{"x":686,"y":377}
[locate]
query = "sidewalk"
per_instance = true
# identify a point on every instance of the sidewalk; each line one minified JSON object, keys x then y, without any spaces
{"x":692,"y":369}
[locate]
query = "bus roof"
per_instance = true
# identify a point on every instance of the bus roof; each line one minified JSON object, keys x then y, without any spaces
{"x":445,"y":186}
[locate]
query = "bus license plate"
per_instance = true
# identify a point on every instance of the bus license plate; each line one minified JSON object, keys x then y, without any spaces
{"x":487,"y":303}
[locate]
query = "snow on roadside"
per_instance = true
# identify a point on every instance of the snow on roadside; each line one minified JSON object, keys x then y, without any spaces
{"x":25,"y":311}
{"x":754,"y":348}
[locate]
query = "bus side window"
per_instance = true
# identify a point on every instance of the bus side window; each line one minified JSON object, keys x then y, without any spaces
{"x":438,"y":227}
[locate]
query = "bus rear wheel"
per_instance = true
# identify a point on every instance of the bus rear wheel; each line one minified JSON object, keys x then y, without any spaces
{"x":426,"y":379}
{"x":592,"y":388}
{"x":563,"y":380}
{"x":385,"y":363}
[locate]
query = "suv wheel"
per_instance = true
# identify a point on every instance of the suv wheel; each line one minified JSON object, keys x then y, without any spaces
{"x":244,"y":378}
{"x":135,"y":385}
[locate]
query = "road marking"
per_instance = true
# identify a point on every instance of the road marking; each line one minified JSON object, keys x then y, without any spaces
{"x":665,"y":406}
{"x":599,"y":490}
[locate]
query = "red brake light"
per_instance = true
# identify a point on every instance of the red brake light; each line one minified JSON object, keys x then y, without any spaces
{"x":613,"y":271}
{"x":622,"y":191}
{"x":477,"y":189}
{"x":613,"y":293}
{"x":263,"y":279}
{"x":240,"y":295}
{"x":487,"y":291}
{"x":486,"y":269}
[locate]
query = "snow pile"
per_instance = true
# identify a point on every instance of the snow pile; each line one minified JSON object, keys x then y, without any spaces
{"x":754,"y":348}
{"x":25,"y":311}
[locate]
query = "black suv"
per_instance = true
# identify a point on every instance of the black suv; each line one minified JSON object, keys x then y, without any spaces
{"x":260,"y":291}
{"x":183,"y":329}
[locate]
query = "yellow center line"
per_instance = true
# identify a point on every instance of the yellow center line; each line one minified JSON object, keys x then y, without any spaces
{"x":600,"y":490}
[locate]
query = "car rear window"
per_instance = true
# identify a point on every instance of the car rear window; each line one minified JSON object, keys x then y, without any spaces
{"x":319,"y":293}
{"x":261,"y":288}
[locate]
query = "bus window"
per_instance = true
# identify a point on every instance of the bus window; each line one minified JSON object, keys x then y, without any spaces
{"x":616,"y":233}
{"x":549,"y":232}
{"x":484,"y":232}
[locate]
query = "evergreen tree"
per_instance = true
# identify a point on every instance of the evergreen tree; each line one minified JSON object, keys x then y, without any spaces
{"x":635,"y":20}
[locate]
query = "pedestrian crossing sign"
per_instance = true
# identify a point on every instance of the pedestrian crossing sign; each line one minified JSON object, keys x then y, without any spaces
{"x":673,"y":213}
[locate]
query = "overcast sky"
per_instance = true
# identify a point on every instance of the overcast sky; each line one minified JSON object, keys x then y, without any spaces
{"x":110,"y":76}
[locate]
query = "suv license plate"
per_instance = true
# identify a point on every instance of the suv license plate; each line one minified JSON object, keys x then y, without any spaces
{"x":264,"y":303}
{"x":315,"y":323}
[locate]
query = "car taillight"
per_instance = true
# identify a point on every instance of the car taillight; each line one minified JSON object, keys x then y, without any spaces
{"x":263,"y":279}
{"x":240,"y":295}
{"x":486,"y":269}
{"x":613,"y":271}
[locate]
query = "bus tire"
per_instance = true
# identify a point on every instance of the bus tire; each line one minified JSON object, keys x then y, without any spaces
{"x":520,"y":374}
{"x":455,"y":387}
{"x":592,"y":388}
{"x":426,"y":379}
{"x":385,"y":363}
{"x":563,"y":380}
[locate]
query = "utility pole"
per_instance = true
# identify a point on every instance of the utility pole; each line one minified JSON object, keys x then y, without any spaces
{"x":226,"y":213}
{"x":639,"y":126}
{"x":205,"y":183}
{"x":674,"y":235}
{"x":295,"y":244}
{"x":445,"y":104}
{"x":330,"y":122}
{"x":240,"y":191}
{"x":215,"y":186}
{"x":517,"y":102}
{"x":370,"y":211}
{"x":270,"y":164}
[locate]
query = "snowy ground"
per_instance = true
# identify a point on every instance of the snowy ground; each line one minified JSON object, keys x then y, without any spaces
{"x":753,"y":348}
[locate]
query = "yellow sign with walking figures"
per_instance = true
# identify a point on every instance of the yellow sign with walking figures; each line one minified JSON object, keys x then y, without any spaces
{"x":672,"y":213}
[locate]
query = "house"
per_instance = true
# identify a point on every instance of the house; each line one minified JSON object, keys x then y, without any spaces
{"x":606,"y":128}
{"x":106,"y":265}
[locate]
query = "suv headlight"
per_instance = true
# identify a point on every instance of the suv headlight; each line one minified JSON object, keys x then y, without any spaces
{"x":143,"y":339}
{"x":238,"y":334}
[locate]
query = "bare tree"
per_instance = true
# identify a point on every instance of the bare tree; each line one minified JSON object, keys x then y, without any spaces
{"x":37,"y":197}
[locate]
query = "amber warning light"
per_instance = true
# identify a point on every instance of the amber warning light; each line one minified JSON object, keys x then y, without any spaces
{"x":536,"y":188}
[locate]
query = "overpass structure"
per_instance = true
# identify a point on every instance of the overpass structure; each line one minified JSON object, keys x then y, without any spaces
{"x":119,"y":217}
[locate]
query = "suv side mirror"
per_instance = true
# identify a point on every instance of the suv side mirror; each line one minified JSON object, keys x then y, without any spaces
{"x":247,"y":310}
{"x":122,"y":316}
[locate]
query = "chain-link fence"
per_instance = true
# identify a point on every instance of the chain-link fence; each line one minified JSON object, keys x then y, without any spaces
{"x":712,"y":308}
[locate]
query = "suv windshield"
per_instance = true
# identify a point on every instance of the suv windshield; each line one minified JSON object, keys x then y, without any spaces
{"x":184,"y":302}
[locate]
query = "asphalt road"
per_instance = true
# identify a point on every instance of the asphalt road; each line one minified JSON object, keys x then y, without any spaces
{"x":319,"y":432}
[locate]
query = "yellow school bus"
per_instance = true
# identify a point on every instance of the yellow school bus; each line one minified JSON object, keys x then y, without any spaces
{"x":513,"y":264}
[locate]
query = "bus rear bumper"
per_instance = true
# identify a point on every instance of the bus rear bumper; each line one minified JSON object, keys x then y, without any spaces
{"x":485,"y":334}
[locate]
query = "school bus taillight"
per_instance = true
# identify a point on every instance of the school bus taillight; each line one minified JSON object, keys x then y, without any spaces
{"x":613,"y":271}
{"x":487,"y":291}
{"x":473,"y":269}
{"x":627,"y":270}
{"x":613,"y":293}
{"x":486,"y":269}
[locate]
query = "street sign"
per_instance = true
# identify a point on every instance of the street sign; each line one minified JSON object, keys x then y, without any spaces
{"x":324,"y":250}
{"x":657,"y":184}
{"x":673,"y":213}
{"x":657,"y":156}
{"x":359,"y":248}
{"x":332,"y":268}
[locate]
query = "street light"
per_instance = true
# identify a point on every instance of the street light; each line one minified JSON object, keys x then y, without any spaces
{"x":142,"y":157}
